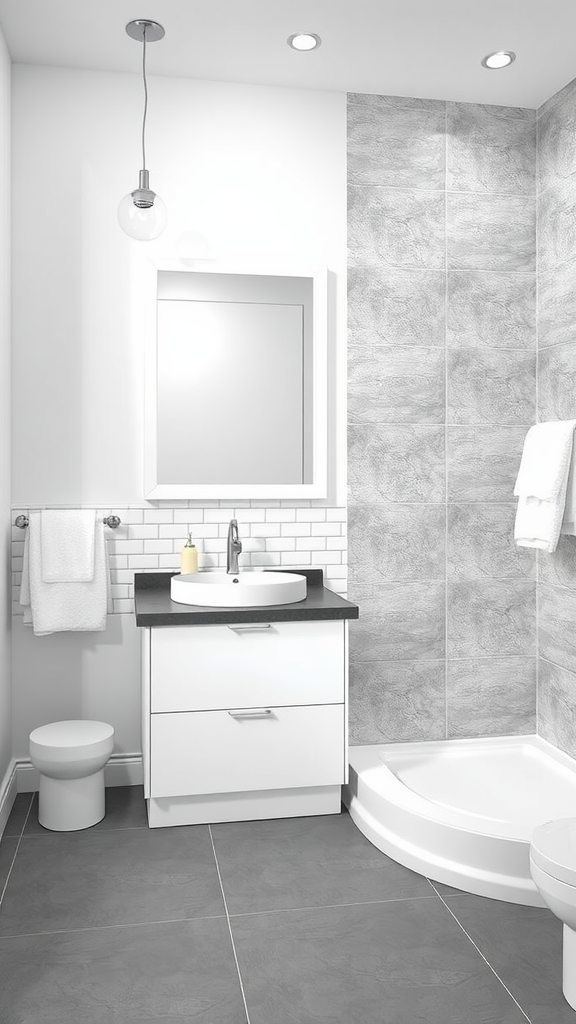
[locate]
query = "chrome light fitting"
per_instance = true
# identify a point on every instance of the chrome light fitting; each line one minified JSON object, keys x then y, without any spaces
{"x":304,"y":41}
{"x":500,"y":59}
{"x":142,"y":213}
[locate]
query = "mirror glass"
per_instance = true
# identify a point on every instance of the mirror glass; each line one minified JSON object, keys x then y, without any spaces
{"x":234,"y":385}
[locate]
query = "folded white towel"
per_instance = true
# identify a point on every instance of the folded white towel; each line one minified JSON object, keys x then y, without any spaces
{"x":545,"y":460}
{"x":542,"y":484}
{"x":62,"y":607}
{"x":68,"y":545}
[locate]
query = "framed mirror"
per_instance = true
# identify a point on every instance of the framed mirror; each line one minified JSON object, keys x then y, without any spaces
{"x":235,"y":384}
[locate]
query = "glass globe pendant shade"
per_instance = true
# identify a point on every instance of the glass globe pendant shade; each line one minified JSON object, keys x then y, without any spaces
{"x":142,"y":214}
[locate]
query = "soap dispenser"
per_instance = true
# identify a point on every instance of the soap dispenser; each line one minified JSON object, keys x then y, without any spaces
{"x":189,"y":557}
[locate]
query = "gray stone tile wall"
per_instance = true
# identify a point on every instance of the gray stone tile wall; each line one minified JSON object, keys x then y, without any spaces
{"x":557,"y":400}
{"x":442,"y":375}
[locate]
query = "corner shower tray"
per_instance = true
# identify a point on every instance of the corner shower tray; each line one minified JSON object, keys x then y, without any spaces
{"x":462,"y":811}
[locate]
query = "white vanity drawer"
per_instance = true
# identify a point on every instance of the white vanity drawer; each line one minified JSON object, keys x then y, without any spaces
{"x":197,"y":668}
{"x":214,"y":752}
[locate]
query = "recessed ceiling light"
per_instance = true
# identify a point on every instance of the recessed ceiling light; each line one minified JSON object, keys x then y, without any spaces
{"x":304,"y":41}
{"x":501,"y":59}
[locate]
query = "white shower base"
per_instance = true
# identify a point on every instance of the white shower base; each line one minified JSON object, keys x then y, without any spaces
{"x":462,"y":811}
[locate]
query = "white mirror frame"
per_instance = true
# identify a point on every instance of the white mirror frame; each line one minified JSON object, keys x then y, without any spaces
{"x":154,"y":491}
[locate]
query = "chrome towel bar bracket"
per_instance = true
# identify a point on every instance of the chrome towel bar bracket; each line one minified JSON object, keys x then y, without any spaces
{"x":112,"y":521}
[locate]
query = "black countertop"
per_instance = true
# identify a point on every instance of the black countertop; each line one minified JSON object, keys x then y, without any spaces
{"x":154,"y":607}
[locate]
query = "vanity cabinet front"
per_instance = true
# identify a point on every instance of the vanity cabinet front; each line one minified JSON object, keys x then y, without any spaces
{"x":244,"y":720}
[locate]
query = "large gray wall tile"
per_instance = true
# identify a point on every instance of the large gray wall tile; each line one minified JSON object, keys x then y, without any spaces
{"x":561,"y":96}
{"x":483,"y":462}
{"x":395,"y":228}
{"x":488,"y":386}
{"x":397,"y":701}
{"x":490,"y":150}
{"x":557,"y":305}
{"x":389,"y":463}
{"x":557,"y":143}
{"x":557,"y":225}
{"x":391,"y":103}
{"x":395,"y":542}
{"x":493,"y":310}
{"x":557,"y":383}
{"x":396,"y":307}
{"x":398,"y":146}
{"x":481,"y":543}
{"x":556,"y":703}
{"x":556,"y":618}
{"x":491,"y":618}
{"x":491,"y":232}
{"x":560,"y":566}
{"x":491,"y":697}
{"x":399,"y":621}
{"x":395,"y":385}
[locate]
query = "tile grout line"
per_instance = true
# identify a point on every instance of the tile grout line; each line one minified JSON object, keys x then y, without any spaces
{"x":5,"y":886}
{"x":110,"y":927}
{"x":229,"y":926}
{"x":536,"y":417}
{"x":331,"y":906}
{"x":446,"y":433}
{"x":477,"y":948}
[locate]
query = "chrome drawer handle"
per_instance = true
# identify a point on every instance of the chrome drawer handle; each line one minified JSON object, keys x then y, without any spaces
{"x":251,"y":626}
{"x":255,"y":713}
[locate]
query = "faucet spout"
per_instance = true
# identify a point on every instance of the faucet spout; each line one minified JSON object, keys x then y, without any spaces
{"x":233,"y":548}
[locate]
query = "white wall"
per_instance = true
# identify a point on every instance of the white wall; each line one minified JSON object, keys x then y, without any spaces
{"x":253,"y":177}
{"x":5,"y":714}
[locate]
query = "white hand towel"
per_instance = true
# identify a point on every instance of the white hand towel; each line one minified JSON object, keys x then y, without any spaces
{"x":569,"y":520}
{"x":545,"y":460}
{"x":62,"y":607}
{"x":542,"y":484}
{"x":68,"y":545}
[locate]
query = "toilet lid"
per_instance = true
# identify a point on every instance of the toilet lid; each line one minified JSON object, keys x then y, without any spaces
{"x":553,"y":848}
{"x":72,"y":739}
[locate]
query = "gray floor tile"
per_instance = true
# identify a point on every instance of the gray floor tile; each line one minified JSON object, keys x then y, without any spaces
{"x":306,"y":862}
{"x":524,"y":946}
{"x":391,"y":963}
{"x":7,"y":851}
{"x":125,"y":808}
{"x":15,"y":822}
{"x":157,"y":974}
{"x":71,"y":880}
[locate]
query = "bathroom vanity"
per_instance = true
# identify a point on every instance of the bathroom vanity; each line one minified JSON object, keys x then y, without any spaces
{"x":244,"y":710}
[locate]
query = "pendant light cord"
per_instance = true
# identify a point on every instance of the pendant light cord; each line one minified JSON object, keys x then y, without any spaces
{"x":145,"y":99}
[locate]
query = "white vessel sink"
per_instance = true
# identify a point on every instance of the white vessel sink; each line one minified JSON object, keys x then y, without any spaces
{"x":245,"y":590}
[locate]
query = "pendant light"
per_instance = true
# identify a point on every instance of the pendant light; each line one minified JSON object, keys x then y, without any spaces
{"x":142,"y":213}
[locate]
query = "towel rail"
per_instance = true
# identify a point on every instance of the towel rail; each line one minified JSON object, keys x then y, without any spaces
{"x":112,"y":521}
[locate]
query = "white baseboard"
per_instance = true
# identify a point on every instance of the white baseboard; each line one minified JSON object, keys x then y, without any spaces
{"x":121,"y":770}
{"x":8,"y":790}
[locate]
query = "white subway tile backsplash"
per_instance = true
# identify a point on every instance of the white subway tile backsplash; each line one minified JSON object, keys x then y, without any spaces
{"x":280,"y":544}
{"x":267,"y":529}
{"x":189,"y":515}
{"x":310,"y":515}
{"x":325,"y":529}
{"x":159,"y":515}
{"x":158,"y":547}
{"x":280,"y":515}
{"x":287,"y":534}
{"x":301,"y":558}
{"x":311,"y":543}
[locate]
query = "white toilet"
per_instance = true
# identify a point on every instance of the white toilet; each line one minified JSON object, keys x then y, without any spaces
{"x":70,"y":757}
{"x":553,"y":870}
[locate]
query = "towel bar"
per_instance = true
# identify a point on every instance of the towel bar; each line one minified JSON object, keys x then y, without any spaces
{"x":112,"y":521}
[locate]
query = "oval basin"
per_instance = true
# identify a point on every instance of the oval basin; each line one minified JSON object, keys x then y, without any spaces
{"x":245,"y":590}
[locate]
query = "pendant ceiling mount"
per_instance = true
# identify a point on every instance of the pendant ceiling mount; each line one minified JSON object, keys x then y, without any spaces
{"x":142,"y":27}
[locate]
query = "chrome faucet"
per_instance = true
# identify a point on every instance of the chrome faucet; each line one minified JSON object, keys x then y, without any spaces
{"x":234,"y":548}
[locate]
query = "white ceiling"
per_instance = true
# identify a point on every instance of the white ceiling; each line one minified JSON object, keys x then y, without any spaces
{"x":428,"y":48}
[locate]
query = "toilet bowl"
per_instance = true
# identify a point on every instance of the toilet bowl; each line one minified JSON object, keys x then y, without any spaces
{"x":553,"y":870}
{"x":70,"y":757}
